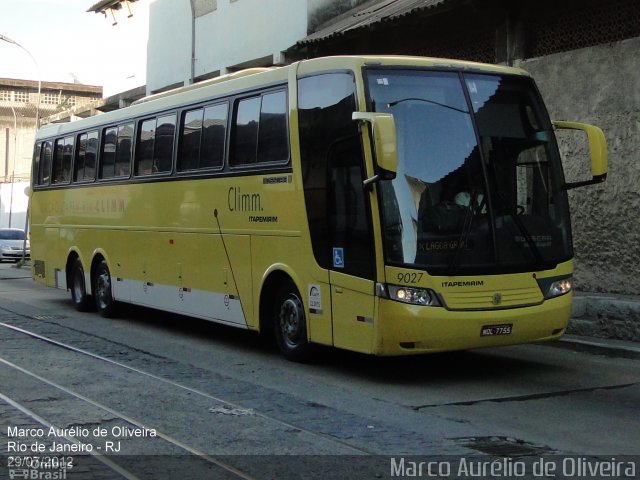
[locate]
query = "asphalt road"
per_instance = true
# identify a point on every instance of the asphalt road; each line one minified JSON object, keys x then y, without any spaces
{"x":152,"y":395}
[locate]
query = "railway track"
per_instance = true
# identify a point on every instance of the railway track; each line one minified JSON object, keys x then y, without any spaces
{"x":133,"y":458}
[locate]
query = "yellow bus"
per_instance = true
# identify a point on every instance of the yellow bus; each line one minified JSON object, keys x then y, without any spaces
{"x":385,"y":205}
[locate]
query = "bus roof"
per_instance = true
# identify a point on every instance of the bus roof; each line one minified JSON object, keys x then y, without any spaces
{"x":246,"y":80}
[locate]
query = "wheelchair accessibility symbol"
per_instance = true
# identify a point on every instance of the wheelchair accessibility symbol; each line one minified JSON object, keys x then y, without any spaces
{"x":338,"y":258}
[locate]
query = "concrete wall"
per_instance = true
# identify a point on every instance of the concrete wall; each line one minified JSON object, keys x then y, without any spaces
{"x":17,"y":152}
{"x":600,"y":85}
{"x":236,"y":34}
{"x":169,"y":46}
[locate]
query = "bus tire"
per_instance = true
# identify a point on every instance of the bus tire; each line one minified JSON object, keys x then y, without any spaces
{"x":290,"y":324}
{"x":102,"y":295}
{"x":81,"y":301}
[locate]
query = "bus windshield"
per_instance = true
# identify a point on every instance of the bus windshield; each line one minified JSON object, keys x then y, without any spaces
{"x":479,"y":186}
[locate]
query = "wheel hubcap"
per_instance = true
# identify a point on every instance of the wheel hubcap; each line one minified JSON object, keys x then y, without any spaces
{"x":291,"y":320}
{"x":78,"y":287}
{"x":103,"y":288}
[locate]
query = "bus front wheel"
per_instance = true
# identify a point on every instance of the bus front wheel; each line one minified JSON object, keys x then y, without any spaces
{"x":102,"y":291}
{"x":290,"y":324}
{"x":79,"y":296}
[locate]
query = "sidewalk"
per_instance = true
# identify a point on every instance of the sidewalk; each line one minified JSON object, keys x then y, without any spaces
{"x":606,"y":316}
{"x":600,"y":323}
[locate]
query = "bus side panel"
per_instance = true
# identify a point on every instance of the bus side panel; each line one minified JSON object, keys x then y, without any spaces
{"x":41,"y":270}
{"x":353,"y":305}
{"x":268,"y":255}
{"x":186,"y":273}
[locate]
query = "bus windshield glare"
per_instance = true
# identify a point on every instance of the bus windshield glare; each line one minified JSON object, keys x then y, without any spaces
{"x":479,"y":187}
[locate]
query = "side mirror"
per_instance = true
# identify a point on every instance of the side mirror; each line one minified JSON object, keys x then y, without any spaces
{"x":383,"y":127}
{"x":597,"y":151}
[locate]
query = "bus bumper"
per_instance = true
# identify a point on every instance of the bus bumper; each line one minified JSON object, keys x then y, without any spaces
{"x":408,"y":330}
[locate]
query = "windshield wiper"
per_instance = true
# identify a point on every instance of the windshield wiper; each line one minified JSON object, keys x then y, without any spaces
{"x":433,"y":102}
{"x":538,"y":259}
{"x":525,"y":233}
{"x":466,"y":230}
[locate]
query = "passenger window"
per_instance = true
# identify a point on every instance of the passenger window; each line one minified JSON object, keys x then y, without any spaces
{"x":37,"y":153}
{"x":85,"y":164}
{"x":163,"y":151}
{"x":91,"y":157}
{"x":189,"y":153}
{"x":78,"y":166}
{"x":214,"y":132}
{"x":115,"y":158}
{"x":108,"y":153}
{"x":203,"y":138}
{"x":154,"y":153}
{"x":45,"y":164}
{"x":273,"y":143}
{"x":245,"y":138}
{"x":63,"y":154}
{"x":123,"y":156}
{"x":260,"y":130}
{"x":144,"y":150}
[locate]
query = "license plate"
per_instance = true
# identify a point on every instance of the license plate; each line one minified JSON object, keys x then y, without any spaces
{"x":494,"y":330}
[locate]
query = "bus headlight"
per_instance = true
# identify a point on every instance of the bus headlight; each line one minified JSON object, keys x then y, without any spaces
{"x":559,"y":287}
{"x":414,"y":296}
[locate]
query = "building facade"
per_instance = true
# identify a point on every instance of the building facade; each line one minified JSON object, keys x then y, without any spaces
{"x":192,"y":40}
{"x":19,"y":113}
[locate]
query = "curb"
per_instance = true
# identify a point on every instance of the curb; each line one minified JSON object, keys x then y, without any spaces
{"x":598,"y":346}
{"x":606,"y":317}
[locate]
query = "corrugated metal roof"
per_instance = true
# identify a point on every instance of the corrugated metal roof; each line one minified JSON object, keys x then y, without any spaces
{"x":369,"y":14}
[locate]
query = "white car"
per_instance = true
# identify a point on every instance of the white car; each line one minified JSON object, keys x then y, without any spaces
{"x":12,"y":243}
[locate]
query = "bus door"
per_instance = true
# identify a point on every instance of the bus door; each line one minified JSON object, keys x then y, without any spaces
{"x":351,"y":246}
{"x":338,"y":208}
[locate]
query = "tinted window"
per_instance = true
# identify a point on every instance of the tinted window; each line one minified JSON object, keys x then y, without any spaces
{"x":115,"y":159}
{"x":189,"y":153}
{"x":86,"y":153}
{"x":163,"y":151}
{"x":123,"y":156}
{"x":333,"y":171}
{"x":108,"y":154}
{"x":214,"y":130}
{"x":63,"y":154}
{"x":154,"y":153}
{"x":45,"y":163}
{"x":260,"y":130}
{"x":36,"y":163}
{"x":91,"y":158}
{"x":144,"y":150}
{"x":245,"y":138}
{"x":273,"y":144}
{"x":203,"y":138}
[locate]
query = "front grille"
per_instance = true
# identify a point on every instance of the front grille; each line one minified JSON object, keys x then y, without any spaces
{"x":493,"y":298}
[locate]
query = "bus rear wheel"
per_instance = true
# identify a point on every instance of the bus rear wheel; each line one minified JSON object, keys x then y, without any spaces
{"x":79,"y":296}
{"x":102,"y":295}
{"x":290,"y":324}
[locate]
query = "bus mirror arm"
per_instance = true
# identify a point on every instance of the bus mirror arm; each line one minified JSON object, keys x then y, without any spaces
{"x":369,"y":182}
{"x":383,"y":128}
{"x":593,"y":181}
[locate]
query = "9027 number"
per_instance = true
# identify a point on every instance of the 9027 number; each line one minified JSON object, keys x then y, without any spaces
{"x":410,"y":277}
